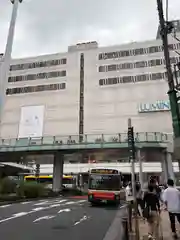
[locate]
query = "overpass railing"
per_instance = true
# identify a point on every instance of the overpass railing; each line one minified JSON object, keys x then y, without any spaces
{"x":87,"y":139}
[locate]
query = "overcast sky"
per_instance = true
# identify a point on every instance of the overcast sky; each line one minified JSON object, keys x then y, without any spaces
{"x":48,"y":26}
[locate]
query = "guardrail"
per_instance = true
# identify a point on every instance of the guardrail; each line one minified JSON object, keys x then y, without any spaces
{"x":87,"y":139}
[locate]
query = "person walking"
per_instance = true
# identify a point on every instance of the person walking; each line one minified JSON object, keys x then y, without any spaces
{"x":151,"y":211}
{"x":130,"y":203}
{"x":139,"y":200}
{"x":171,"y":198}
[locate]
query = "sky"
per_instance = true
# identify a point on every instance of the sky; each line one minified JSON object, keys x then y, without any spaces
{"x":50,"y":26}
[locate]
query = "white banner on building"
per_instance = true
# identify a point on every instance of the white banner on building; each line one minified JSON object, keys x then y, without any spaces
{"x":31,"y":121}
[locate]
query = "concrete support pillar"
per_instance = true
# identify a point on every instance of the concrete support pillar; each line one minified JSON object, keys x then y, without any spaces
{"x":164,"y":169}
{"x":57,"y":172}
{"x":140,"y":160}
{"x":167,"y":167}
{"x":170,"y":165}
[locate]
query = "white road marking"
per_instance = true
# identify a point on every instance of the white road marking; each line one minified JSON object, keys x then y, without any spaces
{"x":55,"y":205}
{"x":14,"y":216}
{"x":41,"y":203}
{"x":82,"y":201}
{"x":64,"y":210}
{"x":68,"y":203}
{"x":38,"y":209}
{"x":20,"y":214}
{"x":81,"y":220}
{"x":17,"y":215}
{"x":5,"y":206}
{"x":24,"y":203}
{"x":43,"y":218}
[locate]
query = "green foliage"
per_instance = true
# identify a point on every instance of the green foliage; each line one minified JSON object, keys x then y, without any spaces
{"x":7,"y":186}
{"x":31,"y":190}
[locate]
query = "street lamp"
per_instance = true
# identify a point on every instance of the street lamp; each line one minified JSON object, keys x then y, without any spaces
{"x":7,"y":57}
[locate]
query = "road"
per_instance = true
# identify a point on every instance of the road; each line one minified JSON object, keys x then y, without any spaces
{"x":59,"y":218}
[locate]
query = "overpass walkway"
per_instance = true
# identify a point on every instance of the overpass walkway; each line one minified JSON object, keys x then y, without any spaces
{"x":84,"y":142}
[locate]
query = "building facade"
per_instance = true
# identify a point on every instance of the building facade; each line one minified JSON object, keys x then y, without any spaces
{"x":91,"y":90}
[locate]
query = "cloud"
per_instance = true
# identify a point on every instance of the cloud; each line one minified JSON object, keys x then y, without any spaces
{"x":47,"y":26}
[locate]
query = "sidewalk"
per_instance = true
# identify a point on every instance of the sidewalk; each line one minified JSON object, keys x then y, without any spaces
{"x":165,"y":227}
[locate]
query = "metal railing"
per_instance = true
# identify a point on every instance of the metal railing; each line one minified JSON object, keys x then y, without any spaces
{"x":156,"y":137}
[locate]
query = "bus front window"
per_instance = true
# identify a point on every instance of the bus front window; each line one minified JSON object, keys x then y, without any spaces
{"x":105,"y":182}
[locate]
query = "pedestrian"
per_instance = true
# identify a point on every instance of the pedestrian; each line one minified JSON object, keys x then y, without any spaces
{"x":130,"y":203}
{"x":156,"y":187}
{"x":171,"y":198}
{"x":139,"y":200}
{"x":151,"y":211}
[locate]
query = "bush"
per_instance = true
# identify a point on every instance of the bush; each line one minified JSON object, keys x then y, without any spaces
{"x":9,"y":198}
{"x":7,"y":186}
{"x":31,"y":190}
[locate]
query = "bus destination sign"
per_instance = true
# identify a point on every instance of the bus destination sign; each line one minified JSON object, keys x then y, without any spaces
{"x":104,"y":171}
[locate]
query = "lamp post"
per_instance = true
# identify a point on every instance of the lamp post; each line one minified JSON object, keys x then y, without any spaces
{"x":7,"y":56}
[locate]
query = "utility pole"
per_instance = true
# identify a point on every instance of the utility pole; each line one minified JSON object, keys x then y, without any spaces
{"x":166,"y":28}
{"x":132,"y":156}
{"x":7,"y":56}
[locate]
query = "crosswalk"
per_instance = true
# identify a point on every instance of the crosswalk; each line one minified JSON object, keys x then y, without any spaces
{"x":37,"y":207}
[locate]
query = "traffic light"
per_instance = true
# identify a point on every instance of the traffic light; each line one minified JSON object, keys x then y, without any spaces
{"x":37,"y":169}
{"x":131,"y":144}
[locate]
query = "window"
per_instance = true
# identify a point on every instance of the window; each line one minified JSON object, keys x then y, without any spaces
{"x":38,"y":88}
{"x":38,"y":64}
{"x":127,"y":79}
{"x":112,"y":67}
{"x":139,"y":51}
{"x":130,"y":79}
{"x":155,"y":49}
{"x":37,"y":76}
{"x":155,"y":62}
{"x":140,"y":64}
{"x":157,"y":76}
{"x":142,"y":78}
{"x":102,"y":68}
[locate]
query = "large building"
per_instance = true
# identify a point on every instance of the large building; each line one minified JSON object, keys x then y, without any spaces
{"x":118,"y":82}
{"x":90,"y":90}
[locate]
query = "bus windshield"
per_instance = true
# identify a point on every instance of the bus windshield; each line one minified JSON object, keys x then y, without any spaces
{"x":105,"y":182}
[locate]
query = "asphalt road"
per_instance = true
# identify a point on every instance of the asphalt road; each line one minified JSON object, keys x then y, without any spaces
{"x":58,"y":218}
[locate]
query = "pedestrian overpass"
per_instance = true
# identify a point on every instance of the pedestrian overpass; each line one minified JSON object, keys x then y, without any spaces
{"x":60,"y":145}
{"x":83,"y":142}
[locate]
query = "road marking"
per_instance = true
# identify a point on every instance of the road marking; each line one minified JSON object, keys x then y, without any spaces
{"x":38,"y":209}
{"x":81,"y":201}
{"x":64,"y":210}
{"x":41,"y":203}
{"x":20,"y":214}
{"x":35,"y":210}
{"x":43,"y":218}
{"x":17,"y":215}
{"x":81,"y":220}
{"x":5,"y":206}
{"x":23,"y":203}
{"x":68,"y":203}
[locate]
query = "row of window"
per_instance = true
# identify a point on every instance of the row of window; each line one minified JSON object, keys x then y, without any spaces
{"x":38,"y":88}
{"x":135,"y":52}
{"x":37,"y":76}
{"x":38,"y":64}
{"x":140,"y":64}
{"x":130,"y":79}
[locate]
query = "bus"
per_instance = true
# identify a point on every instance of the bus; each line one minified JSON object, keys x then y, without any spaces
{"x":105,"y":185}
{"x":67,"y":182}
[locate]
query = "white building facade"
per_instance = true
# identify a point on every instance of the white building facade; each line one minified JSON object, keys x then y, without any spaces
{"x":119,"y":82}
